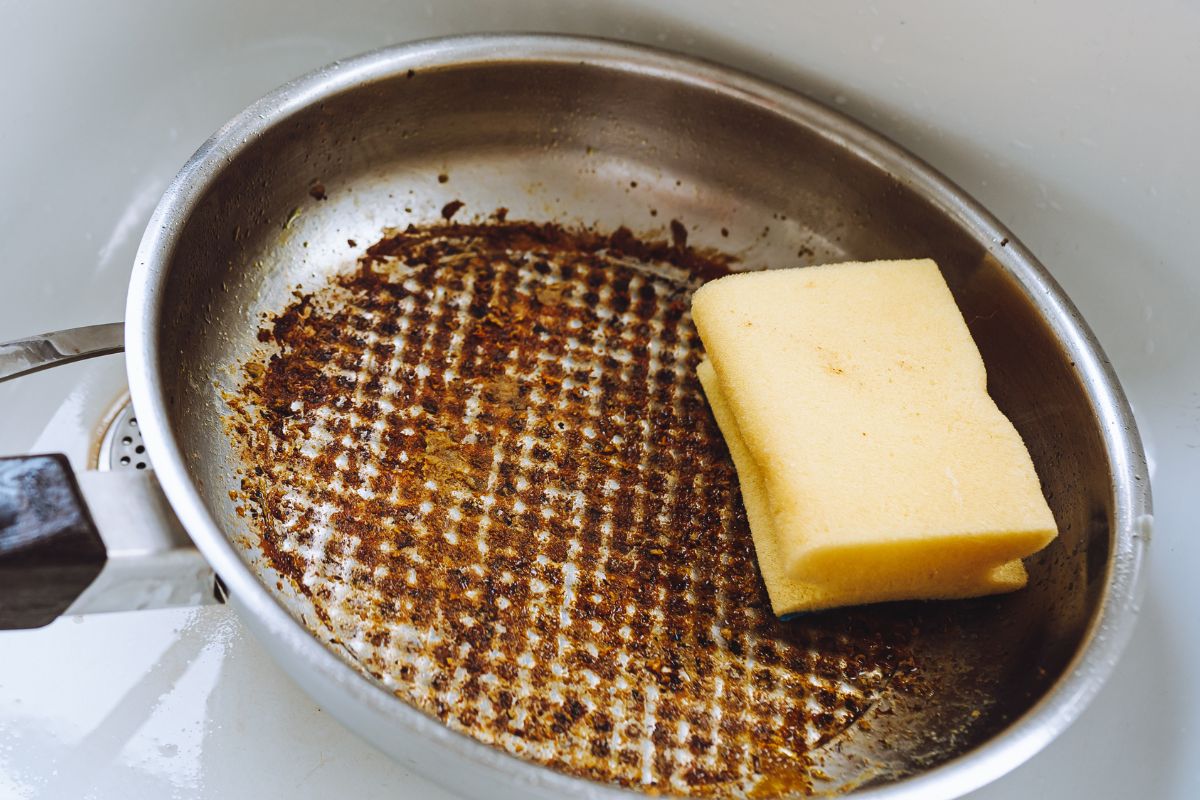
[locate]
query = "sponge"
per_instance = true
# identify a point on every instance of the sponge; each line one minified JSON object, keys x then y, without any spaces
{"x":873,"y":464}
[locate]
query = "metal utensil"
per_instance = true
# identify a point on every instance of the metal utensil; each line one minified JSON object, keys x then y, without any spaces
{"x":597,"y":133}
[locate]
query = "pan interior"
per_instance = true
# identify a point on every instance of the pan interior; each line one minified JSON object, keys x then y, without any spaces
{"x":593,"y":145}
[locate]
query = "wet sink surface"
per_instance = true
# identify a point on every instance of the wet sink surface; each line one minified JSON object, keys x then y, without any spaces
{"x":1074,"y":142}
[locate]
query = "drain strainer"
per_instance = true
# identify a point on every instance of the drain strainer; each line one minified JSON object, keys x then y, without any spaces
{"x":122,"y":447}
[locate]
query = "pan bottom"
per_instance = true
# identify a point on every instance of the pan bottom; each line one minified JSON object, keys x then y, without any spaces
{"x":485,"y":458}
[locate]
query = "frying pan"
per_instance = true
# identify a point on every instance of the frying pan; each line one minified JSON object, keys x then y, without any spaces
{"x":600,"y":136}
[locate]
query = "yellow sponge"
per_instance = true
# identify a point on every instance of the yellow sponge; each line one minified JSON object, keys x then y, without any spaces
{"x":873,"y":464}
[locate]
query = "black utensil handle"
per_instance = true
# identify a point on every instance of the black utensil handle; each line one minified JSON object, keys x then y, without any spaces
{"x":50,"y":549}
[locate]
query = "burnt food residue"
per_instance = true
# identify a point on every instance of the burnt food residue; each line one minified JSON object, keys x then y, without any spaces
{"x":483,"y":455}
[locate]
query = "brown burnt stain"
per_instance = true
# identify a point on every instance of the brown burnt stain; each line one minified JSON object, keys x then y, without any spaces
{"x":679,"y":234}
{"x":485,"y":457}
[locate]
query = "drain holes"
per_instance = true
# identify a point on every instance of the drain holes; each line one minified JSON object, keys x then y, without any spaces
{"x":122,"y":446}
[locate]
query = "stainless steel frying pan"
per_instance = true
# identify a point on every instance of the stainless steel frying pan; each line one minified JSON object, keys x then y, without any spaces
{"x":606,"y":135}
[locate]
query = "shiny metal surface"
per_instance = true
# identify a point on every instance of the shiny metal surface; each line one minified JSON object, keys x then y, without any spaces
{"x":121,"y":446}
{"x":564,"y":128}
{"x":554,"y":559}
{"x":25,"y":356}
{"x":151,"y":561}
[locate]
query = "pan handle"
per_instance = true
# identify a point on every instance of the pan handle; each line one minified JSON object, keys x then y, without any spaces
{"x":50,"y":550}
{"x":92,"y":542}
{"x":59,"y":347}
{"x":88,"y":543}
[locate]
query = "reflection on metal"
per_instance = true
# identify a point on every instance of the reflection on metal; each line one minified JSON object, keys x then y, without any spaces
{"x":60,"y":347}
{"x":151,"y":561}
{"x":583,"y":131}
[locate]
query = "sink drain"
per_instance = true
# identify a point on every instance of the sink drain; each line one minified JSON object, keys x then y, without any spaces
{"x":122,"y":447}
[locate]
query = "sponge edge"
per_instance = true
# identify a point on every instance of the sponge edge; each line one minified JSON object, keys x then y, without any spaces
{"x":863,"y":399}
{"x":789,"y":595}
